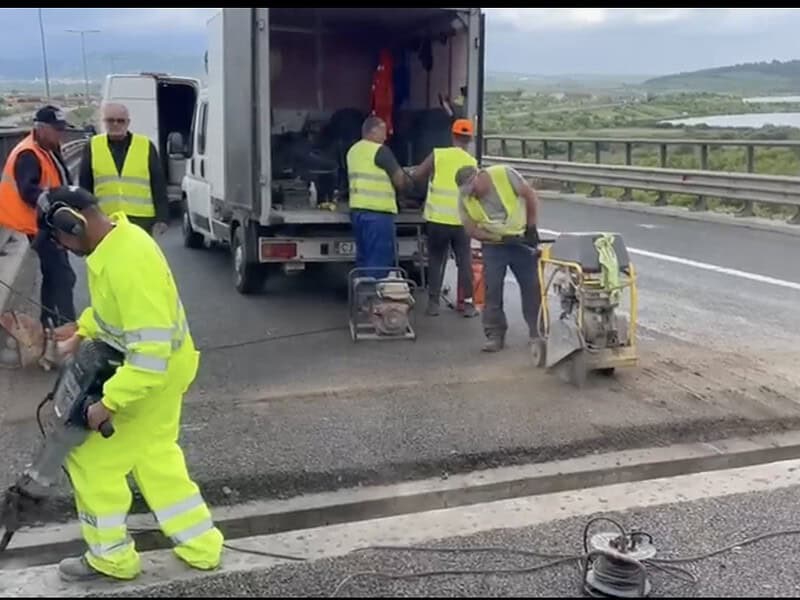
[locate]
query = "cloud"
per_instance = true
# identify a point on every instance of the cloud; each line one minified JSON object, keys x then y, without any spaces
{"x":711,"y":21}
{"x":156,"y":19}
{"x":550,"y":19}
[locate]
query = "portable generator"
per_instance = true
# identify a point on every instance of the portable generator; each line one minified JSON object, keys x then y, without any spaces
{"x":381,"y":307}
{"x":586,"y":274}
{"x":64,"y":427}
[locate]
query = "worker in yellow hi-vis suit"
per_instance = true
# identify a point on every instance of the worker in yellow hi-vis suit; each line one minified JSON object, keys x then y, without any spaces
{"x":136,"y":308}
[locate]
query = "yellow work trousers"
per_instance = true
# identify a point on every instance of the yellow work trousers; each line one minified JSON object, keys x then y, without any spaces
{"x":98,"y":471}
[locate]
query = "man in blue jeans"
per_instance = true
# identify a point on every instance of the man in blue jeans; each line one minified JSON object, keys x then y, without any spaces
{"x":374,"y":175}
{"x":500,"y":209}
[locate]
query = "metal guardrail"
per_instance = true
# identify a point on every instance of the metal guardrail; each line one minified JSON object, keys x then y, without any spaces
{"x":744,"y":187}
{"x":522,"y":146}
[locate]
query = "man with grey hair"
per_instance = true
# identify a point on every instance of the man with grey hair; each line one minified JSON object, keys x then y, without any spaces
{"x":123,"y":170}
{"x":498,"y":208}
{"x":374,"y":174}
{"x":33,"y":166}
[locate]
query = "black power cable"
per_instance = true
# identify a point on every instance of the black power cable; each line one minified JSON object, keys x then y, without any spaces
{"x":620,"y":578}
{"x":211,"y":348}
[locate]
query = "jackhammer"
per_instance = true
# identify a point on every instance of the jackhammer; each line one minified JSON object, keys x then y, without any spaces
{"x":79,"y":385}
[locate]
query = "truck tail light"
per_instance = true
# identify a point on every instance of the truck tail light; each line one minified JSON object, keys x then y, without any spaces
{"x":282,"y":250}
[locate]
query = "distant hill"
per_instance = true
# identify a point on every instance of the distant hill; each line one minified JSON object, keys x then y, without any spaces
{"x":501,"y":81}
{"x":747,"y":78}
{"x":99,"y":65}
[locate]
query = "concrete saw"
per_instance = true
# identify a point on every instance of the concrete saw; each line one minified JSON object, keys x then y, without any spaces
{"x":64,"y":427}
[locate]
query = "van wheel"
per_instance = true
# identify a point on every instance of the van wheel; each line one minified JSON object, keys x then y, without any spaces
{"x":247,"y":276}
{"x":191,"y":239}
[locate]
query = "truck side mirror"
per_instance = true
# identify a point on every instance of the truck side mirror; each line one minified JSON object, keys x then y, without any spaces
{"x":175,"y":144}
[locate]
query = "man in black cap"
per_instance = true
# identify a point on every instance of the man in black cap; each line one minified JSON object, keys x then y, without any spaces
{"x":33,"y":166}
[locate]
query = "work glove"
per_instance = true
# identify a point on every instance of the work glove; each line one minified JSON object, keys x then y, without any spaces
{"x":532,"y":236}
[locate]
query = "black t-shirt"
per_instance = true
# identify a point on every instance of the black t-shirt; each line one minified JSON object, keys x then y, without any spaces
{"x":386,"y":160}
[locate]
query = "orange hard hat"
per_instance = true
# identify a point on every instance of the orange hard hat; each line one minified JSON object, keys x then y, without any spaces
{"x":463,"y":127}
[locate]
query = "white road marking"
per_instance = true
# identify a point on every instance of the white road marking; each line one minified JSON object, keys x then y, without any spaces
{"x":649,"y":226}
{"x":792,"y":285}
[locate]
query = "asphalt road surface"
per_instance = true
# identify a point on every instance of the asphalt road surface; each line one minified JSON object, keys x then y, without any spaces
{"x":766,"y":570}
{"x":286,"y":403}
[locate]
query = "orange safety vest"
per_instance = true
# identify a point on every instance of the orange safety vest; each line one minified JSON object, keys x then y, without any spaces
{"x":15,"y":213}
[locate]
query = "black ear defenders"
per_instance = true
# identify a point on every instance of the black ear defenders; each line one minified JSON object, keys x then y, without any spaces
{"x":59,"y":216}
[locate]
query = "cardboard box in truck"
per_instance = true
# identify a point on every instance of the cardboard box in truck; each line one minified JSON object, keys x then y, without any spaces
{"x":288,"y":90}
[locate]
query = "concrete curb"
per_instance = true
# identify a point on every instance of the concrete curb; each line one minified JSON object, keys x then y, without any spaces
{"x":12,"y":256}
{"x":12,"y":260}
{"x":678,"y":213}
{"x":44,"y":545}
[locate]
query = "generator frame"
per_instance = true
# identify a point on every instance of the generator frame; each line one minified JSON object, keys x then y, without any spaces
{"x":364,"y":330}
{"x":585,"y":359}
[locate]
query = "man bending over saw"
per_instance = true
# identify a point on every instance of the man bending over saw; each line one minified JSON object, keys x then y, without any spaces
{"x":136,"y":308}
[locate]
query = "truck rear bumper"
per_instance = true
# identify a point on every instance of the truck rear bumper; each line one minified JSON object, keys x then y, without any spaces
{"x":328,"y":249}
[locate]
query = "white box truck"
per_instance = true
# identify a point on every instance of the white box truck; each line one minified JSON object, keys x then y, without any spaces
{"x":162,"y":108}
{"x":287,"y":92}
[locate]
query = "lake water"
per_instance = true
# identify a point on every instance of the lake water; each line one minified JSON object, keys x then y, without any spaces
{"x":771,"y":99}
{"x":754,"y":120}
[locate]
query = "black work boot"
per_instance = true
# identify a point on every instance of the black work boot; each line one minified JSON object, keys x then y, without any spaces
{"x":493,"y":344}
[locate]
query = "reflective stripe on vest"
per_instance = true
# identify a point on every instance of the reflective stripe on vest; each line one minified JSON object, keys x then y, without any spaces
{"x":122,"y":340}
{"x":129,"y":191}
{"x":15,"y":213}
{"x":370,"y":186}
{"x":516,"y":215}
{"x":441,"y":204}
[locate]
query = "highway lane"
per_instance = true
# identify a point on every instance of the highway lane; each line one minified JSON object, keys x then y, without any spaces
{"x":315,"y":411}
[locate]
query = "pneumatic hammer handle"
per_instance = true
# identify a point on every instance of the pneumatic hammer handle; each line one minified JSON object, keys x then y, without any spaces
{"x":106,"y":429}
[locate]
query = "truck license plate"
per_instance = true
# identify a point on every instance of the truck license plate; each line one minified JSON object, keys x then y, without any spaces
{"x":344,"y":248}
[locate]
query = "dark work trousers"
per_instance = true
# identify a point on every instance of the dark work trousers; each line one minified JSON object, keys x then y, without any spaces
{"x":522,"y":260}
{"x":58,"y":284}
{"x":374,"y":234}
{"x":440,"y":239}
{"x":145,"y":223}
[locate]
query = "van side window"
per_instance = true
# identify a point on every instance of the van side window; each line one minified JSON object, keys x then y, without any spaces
{"x":201,"y":136}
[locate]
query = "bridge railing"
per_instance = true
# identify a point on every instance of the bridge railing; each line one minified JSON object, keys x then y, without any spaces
{"x":566,"y":148}
{"x":71,"y":150}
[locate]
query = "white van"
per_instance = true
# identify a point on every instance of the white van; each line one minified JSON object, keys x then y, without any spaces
{"x":162,"y":108}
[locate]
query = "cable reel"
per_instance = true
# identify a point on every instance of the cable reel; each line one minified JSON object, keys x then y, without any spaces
{"x":614,"y":566}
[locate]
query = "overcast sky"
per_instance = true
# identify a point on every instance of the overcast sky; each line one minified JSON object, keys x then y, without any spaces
{"x":536,"y":41}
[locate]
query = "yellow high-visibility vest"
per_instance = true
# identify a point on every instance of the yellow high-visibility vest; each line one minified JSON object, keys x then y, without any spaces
{"x":516,"y":215}
{"x":441,"y":204}
{"x":129,"y":191}
{"x":370,"y":186}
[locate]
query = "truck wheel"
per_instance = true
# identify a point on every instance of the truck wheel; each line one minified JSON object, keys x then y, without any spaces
{"x":248,"y":277}
{"x":191,"y":239}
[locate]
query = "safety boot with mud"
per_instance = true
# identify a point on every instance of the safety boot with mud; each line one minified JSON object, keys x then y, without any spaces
{"x":78,"y":568}
{"x":493,"y":345}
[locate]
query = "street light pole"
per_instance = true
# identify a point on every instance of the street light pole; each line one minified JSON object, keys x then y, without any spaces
{"x":83,"y":33}
{"x":44,"y":57}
